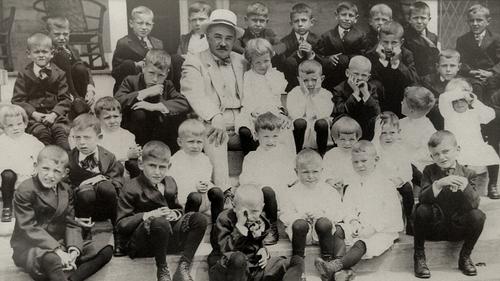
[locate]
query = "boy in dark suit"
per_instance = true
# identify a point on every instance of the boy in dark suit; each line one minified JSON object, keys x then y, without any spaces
{"x":256,"y":19}
{"x":420,"y":41}
{"x":68,"y":59}
{"x":152,"y":108}
{"x":393,"y":66}
{"x":41,"y":89}
{"x":448,"y":208}
{"x":150,"y":216}
{"x":94,"y":172}
{"x":379,"y":14}
{"x":195,"y":41}
{"x":340,"y":44}
{"x":47,"y":239}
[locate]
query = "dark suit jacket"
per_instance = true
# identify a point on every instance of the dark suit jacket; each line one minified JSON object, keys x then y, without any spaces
{"x":139,"y":196}
{"x":241,"y":43}
{"x":394,"y":80}
{"x":130,"y":87}
{"x":486,"y":57}
{"x":452,"y":204}
{"x":130,"y":47}
{"x":44,"y":222}
{"x":425,"y":56}
{"x":50,"y":95}
{"x":66,"y":65}
{"x":184,"y":43}
{"x":108,"y":167}
{"x":371,"y":39}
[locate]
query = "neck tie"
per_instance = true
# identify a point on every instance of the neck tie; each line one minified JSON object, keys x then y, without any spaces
{"x":224,"y":61}
{"x":344,"y":34}
{"x":301,"y":39}
{"x":144,"y":44}
{"x":478,"y":39}
{"x":43,"y":73}
{"x":89,"y":163}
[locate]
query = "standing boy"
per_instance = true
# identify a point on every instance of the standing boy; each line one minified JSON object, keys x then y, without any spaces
{"x":256,"y":19}
{"x":195,"y":41}
{"x":379,"y":14}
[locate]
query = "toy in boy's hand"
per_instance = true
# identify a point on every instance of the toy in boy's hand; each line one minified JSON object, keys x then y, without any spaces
{"x":310,"y":217}
{"x":355,"y":226}
{"x":256,"y":227}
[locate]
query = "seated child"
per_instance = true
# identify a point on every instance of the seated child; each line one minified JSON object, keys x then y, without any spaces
{"x":271,"y":166}
{"x":47,"y":239}
{"x":151,"y":219}
{"x":108,"y":110}
{"x":310,"y":106}
{"x":379,"y":14}
{"x":195,"y":41}
{"x":314,"y":220}
{"x":416,"y":128}
{"x":256,"y":19}
{"x":358,"y":95}
{"x":67,"y":58}
{"x":463,"y":115}
{"x":393,"y":65}
{"x":94,"y":172}
{"x":19,"y":151}
{"x":345,"y":133}
{"x":41,"y":89}
{"x":263,"y":86}
{"x":420,"y":41}
{"x":152,"y":108}
{"x":394,"y":160}
{"x":241,"y":233}
{"x":448,"y":208}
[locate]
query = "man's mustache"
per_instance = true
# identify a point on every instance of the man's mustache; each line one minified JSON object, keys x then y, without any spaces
{"x":222,"y":48}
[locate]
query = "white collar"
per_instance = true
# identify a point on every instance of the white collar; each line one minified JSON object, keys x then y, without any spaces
{"x":303,"y":36}
{"x":82,"y":156}
{"x":341,"y":31}
{"x":36,"y":68}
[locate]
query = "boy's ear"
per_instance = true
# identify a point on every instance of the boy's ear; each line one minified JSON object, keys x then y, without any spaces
{"x":66,"y":172}
{"x":140,"y":164}
{"x":322,"y":78}
{"x":347,"y":73}
{"x":377,"y":158}
{"x":459,"y":148}
{"x":313,"y":21}
{"x":179,"y":141}
{"x":130,"y":22}
{"x":402,"y":40}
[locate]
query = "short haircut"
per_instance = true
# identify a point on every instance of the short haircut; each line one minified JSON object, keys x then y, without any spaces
{"x":387,"y":118}
{"x":458,"y":84}
{"x":346,"y":125}
{"x":364,"y":146}
{"x":141,"y":10}
{"x":449,"y":54}
{"x":360,"y":60}
{"x":257,"y":9}
{"x":381,"y":9}
{"x":248,"y":193}
{"x":39,"y":39}
{"x":156,"y":150}
{"x":191,"y":127}
{"x":392,"y":28}
{"x":12,"y":110}
{"x":346,"y":5}
{"x":258,"y":47}
{"x":301,"y":8}
{"x":56,"y":22}
{"x":478,"y":9}
{"x":268,"y":121}
{"x":107,"y":103}
{"x":85,"y":121}
{"x":53,"y":153}
{"x":310,"y":67}
{"x":419,"y":98}
{"x":307,"y":155}
{"x":200,"y":7}
{"x":438,"y":137}
{"x":419,"y":6}
{"x":159,"y":58}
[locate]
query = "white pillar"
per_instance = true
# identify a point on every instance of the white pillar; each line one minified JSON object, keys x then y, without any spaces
{"x":118,"y":25}
{"x":434,"y":8}
{"x":222,"y":4}
{"x":184,"y":16}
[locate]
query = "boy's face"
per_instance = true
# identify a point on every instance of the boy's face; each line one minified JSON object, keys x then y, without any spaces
{"x":390,"y":41}
{"x":346,"y":18}
{"x":478,"y":22}
{"x":256,"y":23}
{"x":389,"y":134}
{"x":261,"y":63}
{"x":445,"y":154}
{"x":191,"y":144}
{"x":141,"y":25}
{"x":40,"y":54}
{"x":448,"y":68}
{"x":311,"y":81}
{"x":309,"y":174}
{"x":59,"y":36}
{"x":110,"y":119}
{"x":359,"y":72}
{"x":196,"y":20}
{"x":460,"y":105}
{"x":86,"y":140}
{"x":346,"y":141}
{"x":253,"y":209}
{"x":50,"y":173}
{"x":364,"y":163}
{"x":419,"y":19}
{"x":155,"y":170}
{"x":378,"y":20}
{"x":301,"y":23}
{"x":154,"y":75}
{"x":268,"y":139}
{"x":14,"y":126}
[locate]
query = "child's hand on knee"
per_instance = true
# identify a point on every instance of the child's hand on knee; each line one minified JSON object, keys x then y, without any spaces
{"x":202,"y":186}
{"x":93,"y":180}
{"x":264,"y":253}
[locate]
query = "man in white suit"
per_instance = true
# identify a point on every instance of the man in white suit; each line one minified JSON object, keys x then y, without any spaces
{"x":212,"y":82}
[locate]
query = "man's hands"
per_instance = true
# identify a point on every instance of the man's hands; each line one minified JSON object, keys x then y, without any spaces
{"x":452,"y":182}
{"x":481,"y":74}
{"x":217,"y":132}
{"x":152,"y":91}
{"x":334,"y":59}
{"x":93,"y":180}
{"x":264,"y":257}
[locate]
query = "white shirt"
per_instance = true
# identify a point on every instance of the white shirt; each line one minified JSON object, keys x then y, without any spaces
{"x":197,"y":43}
{"x":302,"y":105}
{"x":341,"y":32}
{"x":118,"y":143}
{"x":338,"y":165}
{"x":146,"y":39}
{"x":19,"y":154}
{"x":161,"y":188}
{"x":298,"y":36}
{"x":229,"y":98}
{"x":479,"y":38}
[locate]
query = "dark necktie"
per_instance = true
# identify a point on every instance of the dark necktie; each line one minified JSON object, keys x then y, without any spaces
{"x":144,"y":44}
{"x":301,"y":39}
{"x":89,"y":163}
{"x":344,"y":34}
{"x":44,"y":73}
{"x":224,"y":61}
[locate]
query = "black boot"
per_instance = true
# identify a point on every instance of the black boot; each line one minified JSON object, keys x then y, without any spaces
{"x":119,"y":250}
{"x":420,"y":265}
{"x":182,"y":272}
{"x":466,"y":265}
{"x":162,"y":273}
{"x":328,"y":269}
{"x":273,"y":236}
{"x":493,"y":192}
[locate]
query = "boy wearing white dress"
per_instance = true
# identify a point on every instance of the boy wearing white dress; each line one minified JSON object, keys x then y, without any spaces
{"x":19,"y":151}
{"x":310,"y":107}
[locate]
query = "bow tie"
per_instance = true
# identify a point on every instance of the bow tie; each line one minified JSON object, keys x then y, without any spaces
{"x":44,"y":73}
{"x":224,"y":61}
{"x":89,"y":163}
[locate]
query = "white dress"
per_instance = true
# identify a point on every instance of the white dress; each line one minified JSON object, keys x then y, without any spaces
{"x":466,"y":127}
{"x":415,"y":133}
{"x":19,"y":155}
{"x":338,"y":165}
{"x":118,"y":143}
